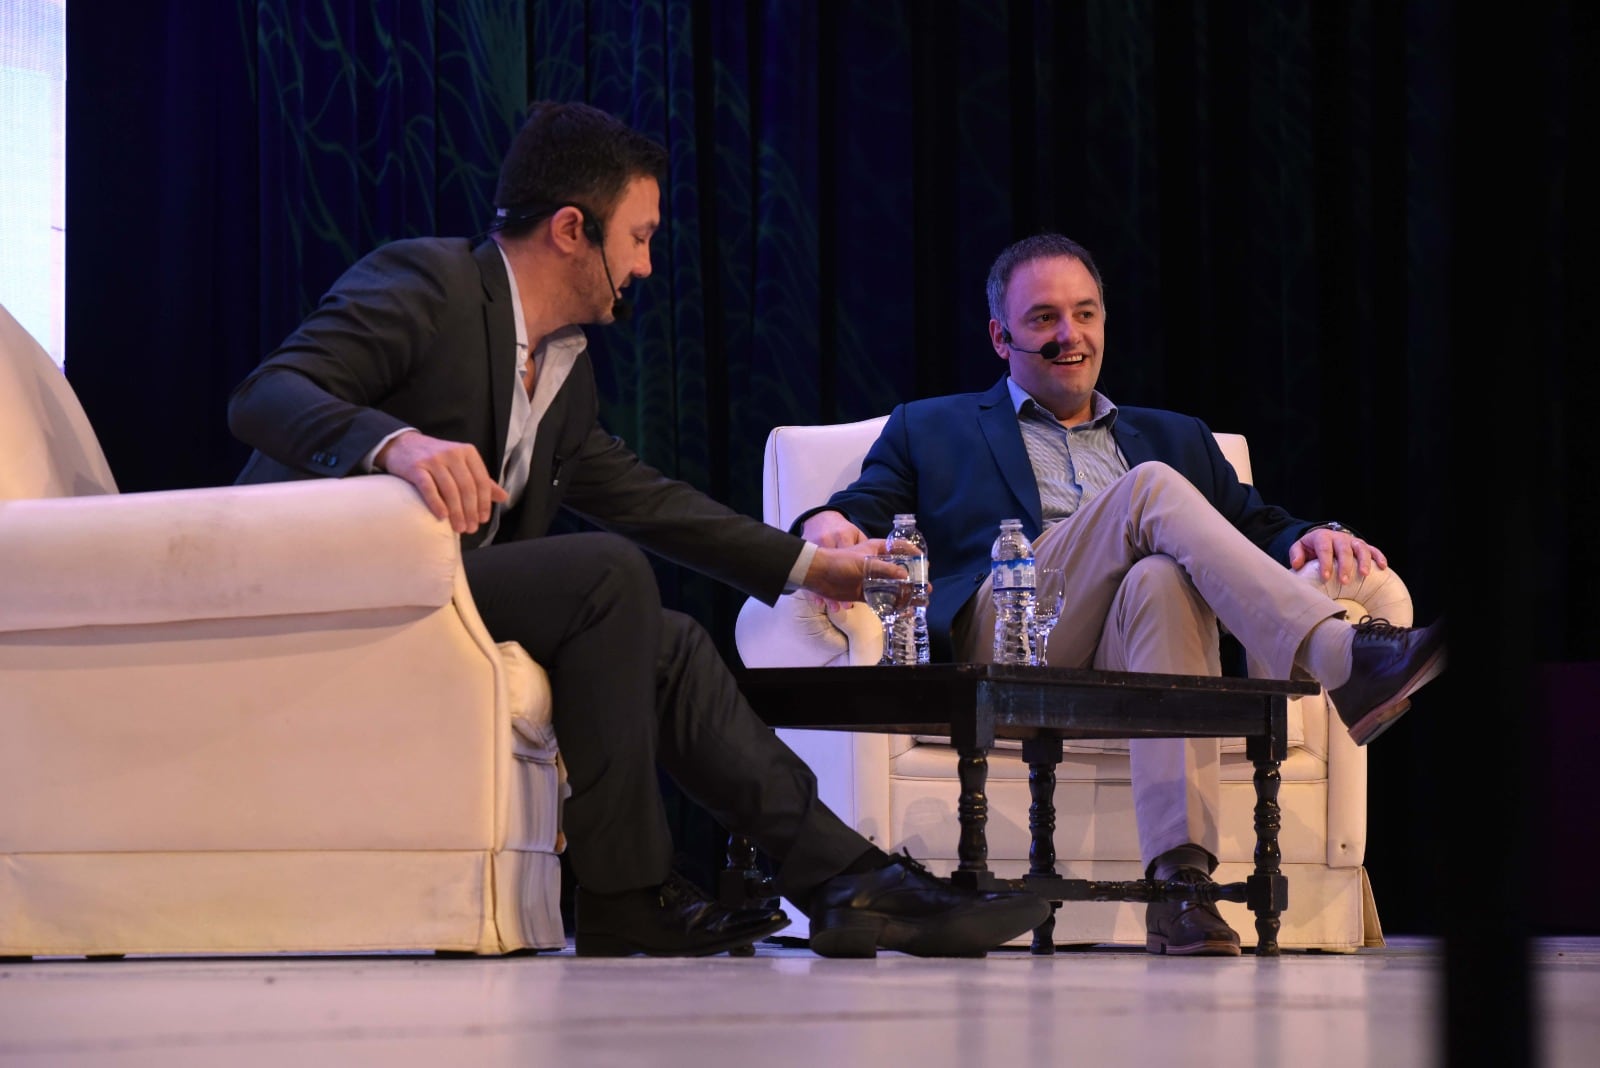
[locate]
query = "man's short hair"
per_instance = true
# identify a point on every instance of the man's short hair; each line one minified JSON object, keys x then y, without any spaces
{"x":570,"y":153}
{"x":1037,"y":247}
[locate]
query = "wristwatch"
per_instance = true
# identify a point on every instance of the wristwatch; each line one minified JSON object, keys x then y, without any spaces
{"x":1336,"y":527}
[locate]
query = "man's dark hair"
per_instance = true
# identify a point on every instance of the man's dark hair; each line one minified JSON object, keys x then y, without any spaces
{"x":1037,"y":247}
{"x":568,"y":153}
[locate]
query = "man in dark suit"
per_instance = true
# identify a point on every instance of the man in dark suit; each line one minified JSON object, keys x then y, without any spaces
{"x":1158,"y":539}
{"x":462,"y":370}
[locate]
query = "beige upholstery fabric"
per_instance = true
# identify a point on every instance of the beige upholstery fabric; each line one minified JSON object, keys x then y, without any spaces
{"x":46,"y":446}
{"x":901,"y":791}
{"x":253,"y":719}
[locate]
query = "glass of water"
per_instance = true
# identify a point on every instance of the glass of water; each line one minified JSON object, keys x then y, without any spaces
{"x":1049,"y":592}
{"x":887,"y":588}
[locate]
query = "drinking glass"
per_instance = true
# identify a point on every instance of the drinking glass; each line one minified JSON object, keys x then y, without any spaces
{"x":1049,"y":594}
{"x":887,"y":588}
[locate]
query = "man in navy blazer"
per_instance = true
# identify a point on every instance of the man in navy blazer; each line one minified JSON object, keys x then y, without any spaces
{"x":463,"y":370}
{"x":1158,"y":539}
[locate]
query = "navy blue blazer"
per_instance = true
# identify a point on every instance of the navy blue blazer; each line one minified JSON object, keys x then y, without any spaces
{"x":959,"y":463}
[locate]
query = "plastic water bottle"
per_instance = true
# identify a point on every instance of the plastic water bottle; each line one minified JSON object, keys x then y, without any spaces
{"x":911,"y":629}
{"x":1012,"y":583}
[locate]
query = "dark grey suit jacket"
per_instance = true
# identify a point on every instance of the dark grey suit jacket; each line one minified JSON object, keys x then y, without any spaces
{"x":421,"y":333}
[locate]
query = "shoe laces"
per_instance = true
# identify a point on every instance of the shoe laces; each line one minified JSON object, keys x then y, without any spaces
{"x":905,"y":857}
{"x":1380,"y":628}
{"x":677,"y":889}
{"x":1192,"y":877}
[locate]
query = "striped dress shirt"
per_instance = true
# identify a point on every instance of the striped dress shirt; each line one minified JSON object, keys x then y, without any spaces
{"x":1071,"y":464}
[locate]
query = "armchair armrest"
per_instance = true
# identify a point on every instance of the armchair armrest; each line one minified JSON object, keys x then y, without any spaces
{"x":227,"y":552}
{"x":799,"y":631}
{"x":851,"y":767}
{"x":1381,"y":594}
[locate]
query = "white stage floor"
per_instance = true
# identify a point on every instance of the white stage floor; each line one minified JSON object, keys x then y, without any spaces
{"x":780,"y":1007}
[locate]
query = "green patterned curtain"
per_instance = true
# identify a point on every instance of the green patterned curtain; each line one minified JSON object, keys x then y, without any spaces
{"x":374,"y":121}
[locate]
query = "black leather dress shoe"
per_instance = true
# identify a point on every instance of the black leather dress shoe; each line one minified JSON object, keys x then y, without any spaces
{"x":1387,"y":665}
{"x":904,"y":907}
{"x":673,"y":920}
{"x":1188,"y":928}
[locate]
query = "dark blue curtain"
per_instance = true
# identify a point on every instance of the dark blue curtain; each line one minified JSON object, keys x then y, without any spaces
{"x":1314,"y":220}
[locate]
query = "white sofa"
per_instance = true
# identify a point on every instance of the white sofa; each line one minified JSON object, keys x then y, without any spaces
{"x":252,"y":719}
{"x":901,"y":791}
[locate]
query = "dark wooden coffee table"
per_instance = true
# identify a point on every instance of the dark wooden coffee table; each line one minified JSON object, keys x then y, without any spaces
{"x":974,"y":704}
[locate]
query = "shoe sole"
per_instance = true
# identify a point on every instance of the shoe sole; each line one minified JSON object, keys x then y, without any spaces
{"x":1380,"y":719}
{"x":594,"y":944}
{"x":1157,"y":945}
{"x":965,"y":932}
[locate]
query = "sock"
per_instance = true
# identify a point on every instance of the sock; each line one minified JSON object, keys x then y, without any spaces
{"x":1326,"y":652}
{"x":1188,"y":855}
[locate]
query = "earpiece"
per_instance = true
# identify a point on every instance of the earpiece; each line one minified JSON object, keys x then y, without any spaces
{"x":591,"y":227}
{"x":505,"y":217}
{"x":1005,"y":335}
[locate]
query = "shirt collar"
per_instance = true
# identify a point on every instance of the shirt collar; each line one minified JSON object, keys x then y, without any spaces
{"x":566,"y":343}
{"x":1101,"y":410}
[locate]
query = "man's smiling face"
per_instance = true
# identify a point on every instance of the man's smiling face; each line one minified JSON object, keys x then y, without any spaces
{"x":1054,"y":298}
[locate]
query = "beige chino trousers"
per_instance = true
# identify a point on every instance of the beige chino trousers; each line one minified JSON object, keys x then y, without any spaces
{"x":1151,"y":568}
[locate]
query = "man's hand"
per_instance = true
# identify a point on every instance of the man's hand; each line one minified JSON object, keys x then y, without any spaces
{"x":1336,"y":547}
{"x":835,"y":574}
{"x":449,"y":475}
{"x":832,"y":530}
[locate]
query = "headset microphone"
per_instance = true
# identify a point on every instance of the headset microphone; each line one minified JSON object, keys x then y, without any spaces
{"x":1049,"y":350}
{"x":621,"y":306}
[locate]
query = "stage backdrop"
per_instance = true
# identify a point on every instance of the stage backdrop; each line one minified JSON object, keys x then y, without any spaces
{"x":1272,"y":190}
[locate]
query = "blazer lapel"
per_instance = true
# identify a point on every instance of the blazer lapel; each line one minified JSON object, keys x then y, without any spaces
{"x":1136,"y":448}
{"x":500,"y":330}
{"x":998,"y":421}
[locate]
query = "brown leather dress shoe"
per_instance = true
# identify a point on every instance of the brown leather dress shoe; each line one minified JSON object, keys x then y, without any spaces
{"x":675,"y":919}
{"x":1387,"y":665}
{"x":1188,"y":928}
{"x":902,"y":906}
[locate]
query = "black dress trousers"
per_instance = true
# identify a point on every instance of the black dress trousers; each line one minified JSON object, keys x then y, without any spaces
{"x":634,"y":686}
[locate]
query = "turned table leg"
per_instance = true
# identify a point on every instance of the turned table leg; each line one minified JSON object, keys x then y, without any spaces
{"x":1267,"y":889}
{"x":972,"y":810}
{"x":1042,"y":755}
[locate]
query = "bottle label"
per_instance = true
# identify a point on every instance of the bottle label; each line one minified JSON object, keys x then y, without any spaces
{"x":917,"y":568}
{"x":1013,"y":574}
{"x":901,"y":545}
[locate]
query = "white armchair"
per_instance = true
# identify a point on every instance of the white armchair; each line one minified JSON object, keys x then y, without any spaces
{"x":902,"y":791}
{"x":252,"y":719}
